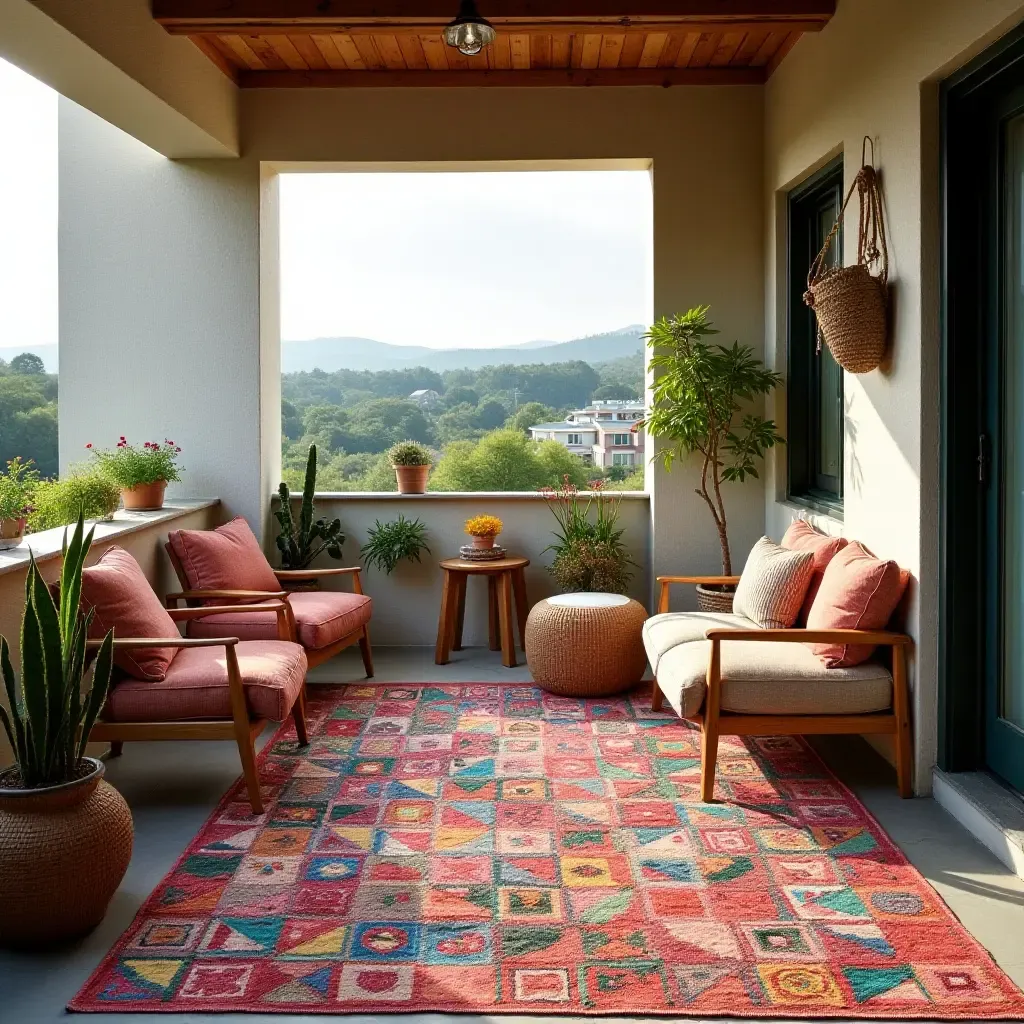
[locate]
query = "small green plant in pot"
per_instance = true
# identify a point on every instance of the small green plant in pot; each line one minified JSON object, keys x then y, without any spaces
{"x":86,"y":490}
{"x":387,"y":544}
{"x":411,"y":462}
{"x":17,"y":488}
{"x":142,"y":473}
{"x":300,"y":542}
{"x":701,"y":394}
{"x":65,"y":834}
{"x":590,"y":555}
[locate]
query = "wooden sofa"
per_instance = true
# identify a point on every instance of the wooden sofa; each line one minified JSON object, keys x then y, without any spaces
{"x":731,"y":677}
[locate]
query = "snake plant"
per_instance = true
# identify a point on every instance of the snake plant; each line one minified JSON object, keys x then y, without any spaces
{"x":299,"y":543}
{"x":50,"y":719}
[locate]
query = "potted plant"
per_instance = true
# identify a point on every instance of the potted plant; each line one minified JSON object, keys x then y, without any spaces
{"x":65,"y":834}
{"x":483,"y":530}
{"x":590,"y":556}
{"x":301,"y":542}
{"x":411,"y":462}
{"x":700,"y":392}
{"x":17,"y":486}
{"x":142,"y":473}
{"x":88,"y":491}
{"x":387,"y":544}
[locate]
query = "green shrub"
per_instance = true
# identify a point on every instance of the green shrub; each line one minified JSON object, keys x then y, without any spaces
{"x":59,"y":502}
{"x":17,"y":486}
{"x":389,"y":543}
{"x":409,"y":453}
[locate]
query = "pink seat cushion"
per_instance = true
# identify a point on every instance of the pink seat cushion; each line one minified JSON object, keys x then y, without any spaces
{"x":322,"y":617}
{"x":858,"y":591}
{"x":801,"y":536}
{"x":196,"y":685}
{"x":117,"y":591}
{"x":228,"y":558}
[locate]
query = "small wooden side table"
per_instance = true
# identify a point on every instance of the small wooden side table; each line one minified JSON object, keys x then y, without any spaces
{"x":505,"y":578}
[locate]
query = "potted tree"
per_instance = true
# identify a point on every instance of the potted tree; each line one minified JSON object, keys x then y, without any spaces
{"x":142,"y":473}
{"x":65,"y":834}
{"x":17,"y":485}
{"x":300,"y":542}
{"x":411,"y":462}
{"x":700,"y":392}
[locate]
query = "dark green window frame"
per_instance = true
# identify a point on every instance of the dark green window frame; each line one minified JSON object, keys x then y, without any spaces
{"x":815,"y":426}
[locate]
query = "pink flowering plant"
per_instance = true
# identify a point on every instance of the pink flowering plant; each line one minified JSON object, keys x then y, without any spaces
{"x":129,"y":465}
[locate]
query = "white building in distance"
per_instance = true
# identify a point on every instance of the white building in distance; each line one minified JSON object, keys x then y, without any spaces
{"x":602,"y":433}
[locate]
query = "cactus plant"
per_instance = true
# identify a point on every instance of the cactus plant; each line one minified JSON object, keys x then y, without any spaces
{"x":50,"y":719}
{"x":299,"y":543}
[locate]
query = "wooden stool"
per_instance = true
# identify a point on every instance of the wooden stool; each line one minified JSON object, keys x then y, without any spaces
{"x":505,"y":578}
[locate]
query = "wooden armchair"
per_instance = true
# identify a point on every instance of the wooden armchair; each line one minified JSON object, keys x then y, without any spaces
{"x":715,"y":720}
{"x":253,"y":683}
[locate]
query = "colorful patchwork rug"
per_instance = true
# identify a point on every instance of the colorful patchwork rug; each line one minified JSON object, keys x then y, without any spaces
{"x":501,"y":850}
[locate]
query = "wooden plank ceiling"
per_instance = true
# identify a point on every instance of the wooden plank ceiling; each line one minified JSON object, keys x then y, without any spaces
{"x":324,"y":43}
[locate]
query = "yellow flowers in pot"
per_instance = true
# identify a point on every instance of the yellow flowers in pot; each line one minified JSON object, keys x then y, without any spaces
{"x":483,"y":530}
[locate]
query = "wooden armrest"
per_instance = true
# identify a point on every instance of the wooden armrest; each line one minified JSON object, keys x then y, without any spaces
{"x":813,"y":636}
{"x":184,"y":614}
{"x":312,"y":574}
{"x":203,"y":595}
{"x":708,"y":580}
{"x":177,"y":641}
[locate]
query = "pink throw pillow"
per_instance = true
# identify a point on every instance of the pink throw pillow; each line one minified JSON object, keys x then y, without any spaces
{"x":801,"y":536}
{"x":858,"y":591}
{"x":228,"y":558}
{"x":117,"y":591}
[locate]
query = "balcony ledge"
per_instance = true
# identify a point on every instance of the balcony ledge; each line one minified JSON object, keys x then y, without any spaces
{"x":461,"y":496}
{"x":48,"y":544}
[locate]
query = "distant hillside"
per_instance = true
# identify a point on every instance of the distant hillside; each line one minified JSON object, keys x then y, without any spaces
{"x":48,"y":354}
{"x":331,"y":354}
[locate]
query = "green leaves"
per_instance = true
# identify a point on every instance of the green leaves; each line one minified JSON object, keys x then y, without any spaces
{"x":300,"y":545}
{"x":699,"y":391}
{"x":46,"y":724}
{"x":389,"y":543}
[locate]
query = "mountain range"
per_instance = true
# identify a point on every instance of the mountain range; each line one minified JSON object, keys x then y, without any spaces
{"x":331,"y":354}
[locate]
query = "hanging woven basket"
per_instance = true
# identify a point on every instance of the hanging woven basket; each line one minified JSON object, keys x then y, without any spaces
{"x":851,"y":303}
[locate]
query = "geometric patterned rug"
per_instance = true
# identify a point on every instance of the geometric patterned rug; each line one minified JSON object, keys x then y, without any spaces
{"x":502,"y":850}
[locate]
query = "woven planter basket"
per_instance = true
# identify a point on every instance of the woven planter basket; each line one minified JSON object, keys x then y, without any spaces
{"x":714,"y":599}
{"x":63,"y":852}
{"x":851,"y":303}
{"x":586,"y":651}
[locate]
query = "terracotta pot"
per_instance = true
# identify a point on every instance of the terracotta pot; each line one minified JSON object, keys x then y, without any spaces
{"x":412,"y":479}
{"x":483,"y":542}
{"x":12,"y":532}
{"x":63,"y":850}
{"x":715,"y":597}
{"x":144,"y":497}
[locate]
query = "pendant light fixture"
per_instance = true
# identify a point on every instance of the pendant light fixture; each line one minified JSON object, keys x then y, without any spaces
{"x":469,"y":33}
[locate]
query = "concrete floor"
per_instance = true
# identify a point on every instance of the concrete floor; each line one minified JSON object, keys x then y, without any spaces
{"x":172,"y":787}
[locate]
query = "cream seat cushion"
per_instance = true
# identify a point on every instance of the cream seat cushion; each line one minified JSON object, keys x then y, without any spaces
{"x":663,"y":632}
{"x":757,"y":678}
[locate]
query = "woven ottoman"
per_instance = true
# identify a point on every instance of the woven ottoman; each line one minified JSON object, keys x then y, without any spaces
{"x":586,"y":645}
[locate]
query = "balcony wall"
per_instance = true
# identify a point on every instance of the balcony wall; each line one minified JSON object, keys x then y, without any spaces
{"x":406,"y":603}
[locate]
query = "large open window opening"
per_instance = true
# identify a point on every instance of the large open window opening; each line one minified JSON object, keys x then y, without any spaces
{"x":496,"y":317}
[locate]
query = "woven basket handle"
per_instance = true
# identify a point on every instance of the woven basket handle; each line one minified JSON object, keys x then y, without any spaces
{"x":871,"y":241}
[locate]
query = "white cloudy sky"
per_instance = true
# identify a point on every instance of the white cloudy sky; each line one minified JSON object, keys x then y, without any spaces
{"x":28,"y":184}
{"x":478,"y":259}
{"x":446,"y":260}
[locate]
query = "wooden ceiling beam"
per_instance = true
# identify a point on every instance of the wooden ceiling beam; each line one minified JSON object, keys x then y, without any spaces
{"x":434,"y":28}
{"x":656,"y":77}
{"x":191,"y":16}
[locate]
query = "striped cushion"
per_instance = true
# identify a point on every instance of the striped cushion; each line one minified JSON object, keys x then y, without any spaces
{"x":774,"y":584}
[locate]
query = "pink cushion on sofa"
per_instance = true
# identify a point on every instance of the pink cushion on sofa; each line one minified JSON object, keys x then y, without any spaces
{"x":196,"y":685}
{"x":801,"y":536}
{"x":228,"y":558}
{"x":117,"y":591}
{"x":858,"y":591}
{"x":322,"y":617}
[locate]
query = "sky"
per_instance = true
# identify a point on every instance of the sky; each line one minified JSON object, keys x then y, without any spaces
{"x":28,"y":185}
{"x":453,"y":260}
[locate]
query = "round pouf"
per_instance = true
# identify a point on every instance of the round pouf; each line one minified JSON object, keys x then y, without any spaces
{"x":586,"y":645}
